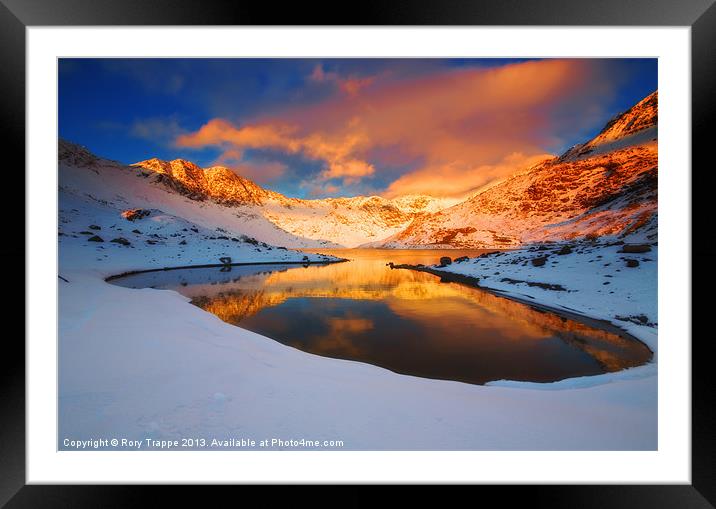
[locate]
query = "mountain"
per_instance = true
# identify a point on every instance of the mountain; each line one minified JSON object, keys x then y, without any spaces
{"x":217,"y":183}
{"x":635,"y":126}
{"x":218,"y":197}
{"x":606,"y":186}
{"x":340,"y":221}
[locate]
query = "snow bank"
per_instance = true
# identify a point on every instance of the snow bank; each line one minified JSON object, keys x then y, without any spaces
{"x":146,"y":364}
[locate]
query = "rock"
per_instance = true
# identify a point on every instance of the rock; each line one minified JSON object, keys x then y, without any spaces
{"x":565,"y":250}
{"x":461,"y":259}
{"x":445,"y":260}
{"x":635,"y":248}
{"x":632,"y":263}
{"x":96,"y":238}
{"x":94,"y":227}
{"x":134,"y":214}
{"x":637,"y":319}
{"x":182,"y":243}
{"x":539,"y":261}
{"x":305,"y":258}
{"x":122,"y":241}
{"x":137,"y":232}
{"x":226,"y":260}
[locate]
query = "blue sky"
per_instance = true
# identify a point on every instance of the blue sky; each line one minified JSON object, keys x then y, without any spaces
{"x":312,"y":128}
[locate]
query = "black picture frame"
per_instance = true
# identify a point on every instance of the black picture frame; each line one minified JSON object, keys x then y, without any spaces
{"x":700,"y":15}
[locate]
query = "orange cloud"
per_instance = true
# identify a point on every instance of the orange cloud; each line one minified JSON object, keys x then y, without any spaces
{"x":458,"y":179}
{"x":222,"y":132}
{"x":336,"y":151}
{"x":466,"y":127}
{"x":261,"y":172}
{"x":350,"y":85}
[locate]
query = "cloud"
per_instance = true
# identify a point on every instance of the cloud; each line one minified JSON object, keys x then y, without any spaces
{"x":321,"y":190}
{"x":460,"y":180}
{"x":467,"y":127}
{"x":160,"y":130}
{"x":350,"y":85}
{"x":335,"y":151}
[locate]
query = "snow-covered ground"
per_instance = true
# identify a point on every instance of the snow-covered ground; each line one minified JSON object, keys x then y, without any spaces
{"x":147,"y":364}
{"x":156,"y":241}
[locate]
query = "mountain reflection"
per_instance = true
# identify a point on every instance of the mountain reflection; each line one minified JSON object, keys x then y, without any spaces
{"x":410,"y":322}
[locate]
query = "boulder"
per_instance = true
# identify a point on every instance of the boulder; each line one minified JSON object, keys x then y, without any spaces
{"x":539,"y":261}
{"x":461,"y":259}
{"x":121,"y":240}
{"x":635,"y":248}
{"x":94,"y":227}
{"x":96,"y":238}
{"x":565,"y":250}
{"x":226,"y":260}
{"x":134,"y":214}
{"x":632,"y":263}
{"x":445,"y":260}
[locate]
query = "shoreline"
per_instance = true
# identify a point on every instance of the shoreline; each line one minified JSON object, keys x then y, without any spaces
{"x":473,"y":282}
{"x":445,"y":277}
{"x":210,"y":265}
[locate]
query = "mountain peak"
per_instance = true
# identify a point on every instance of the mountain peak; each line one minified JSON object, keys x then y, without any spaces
{"x":217,"y":182}
{"x":642,"y":115}
{"x":634,"y":126}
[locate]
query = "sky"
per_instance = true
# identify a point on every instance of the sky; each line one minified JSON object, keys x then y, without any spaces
{"x":313,"y":128}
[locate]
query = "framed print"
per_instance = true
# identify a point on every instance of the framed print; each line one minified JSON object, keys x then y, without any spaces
{"x":390,"y":252}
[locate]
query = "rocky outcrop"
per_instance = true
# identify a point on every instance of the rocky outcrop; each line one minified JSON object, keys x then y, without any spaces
{"x":135,"y":214}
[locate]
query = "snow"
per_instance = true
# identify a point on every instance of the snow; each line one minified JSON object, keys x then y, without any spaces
{"x":157,"y":245}
{"x":146,"y":363}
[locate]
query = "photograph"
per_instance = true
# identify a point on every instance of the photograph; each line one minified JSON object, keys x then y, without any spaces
{"x":357,"y":254}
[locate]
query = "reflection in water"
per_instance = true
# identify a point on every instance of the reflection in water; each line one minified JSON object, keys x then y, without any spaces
{"x":402,"y":320}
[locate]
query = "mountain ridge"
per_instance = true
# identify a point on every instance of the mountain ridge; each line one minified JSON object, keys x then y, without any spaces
{"x":605,"y":186}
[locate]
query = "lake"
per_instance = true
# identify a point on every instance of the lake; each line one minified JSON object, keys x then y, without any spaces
{"x":402,"y":320}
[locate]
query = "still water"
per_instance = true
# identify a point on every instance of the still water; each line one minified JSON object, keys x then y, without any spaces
{"x":402,"y":320}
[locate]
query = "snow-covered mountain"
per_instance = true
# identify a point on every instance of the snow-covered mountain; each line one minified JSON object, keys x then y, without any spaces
{"x":605,"y":187}
{"x":218,"y":197}
{"x":338,"y":221}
